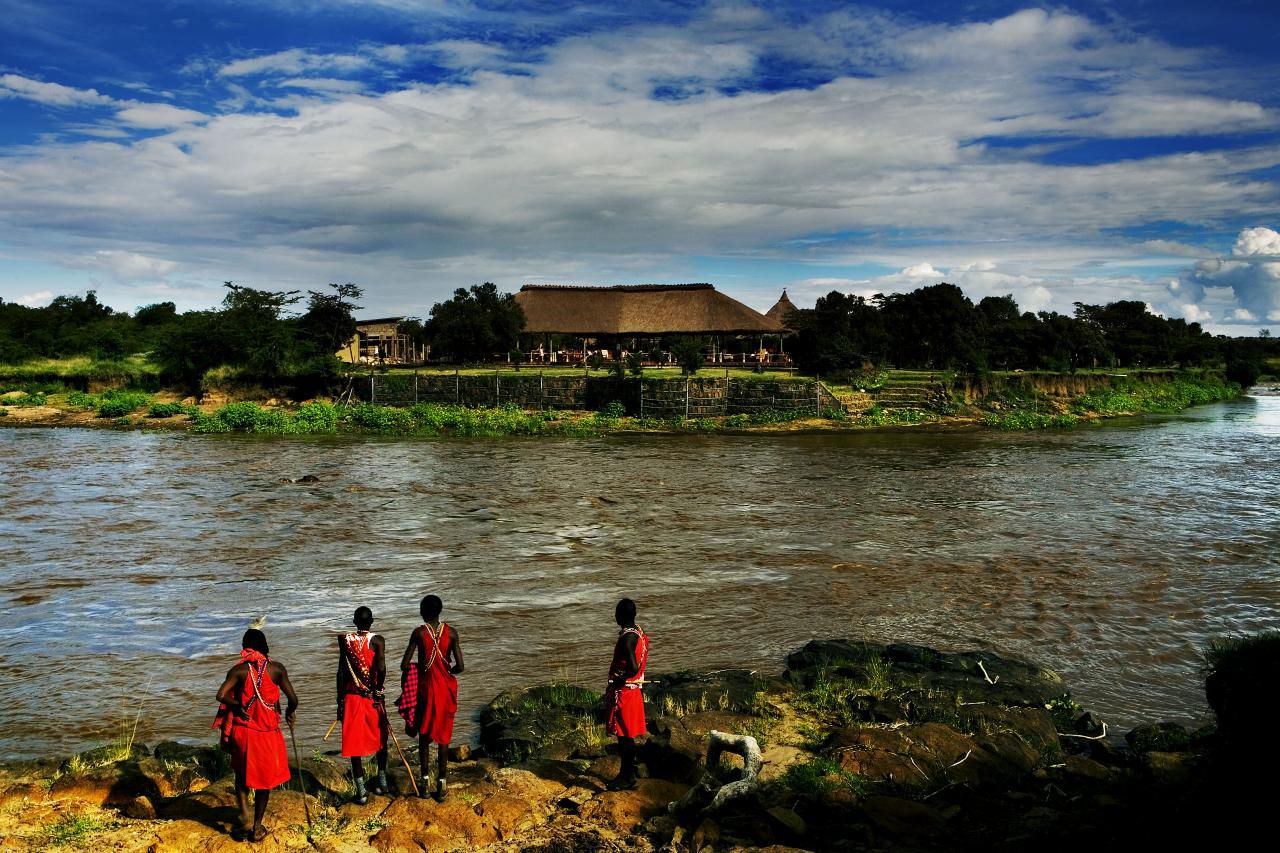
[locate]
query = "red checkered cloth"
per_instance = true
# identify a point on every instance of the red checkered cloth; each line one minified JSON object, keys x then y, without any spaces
{"x":407,"y":704}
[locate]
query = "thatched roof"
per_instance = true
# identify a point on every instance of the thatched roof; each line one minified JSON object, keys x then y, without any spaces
{"x":637,"y":309}
{"x":778,"y":313}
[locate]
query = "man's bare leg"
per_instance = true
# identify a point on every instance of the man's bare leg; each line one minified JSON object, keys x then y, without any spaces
{"x":424,"y":758}
{"x":357,"y":775}
{"x":260,"y":799}
{"x":443,"y":766}
{"x":242,"y":800}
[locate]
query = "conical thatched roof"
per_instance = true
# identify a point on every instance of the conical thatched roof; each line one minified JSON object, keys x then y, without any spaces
{"x":637,"y":309}
{"x":778,"y":313}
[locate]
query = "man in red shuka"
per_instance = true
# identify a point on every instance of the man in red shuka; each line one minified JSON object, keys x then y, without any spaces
{"x":362,"y":671}
{"x":436,"y":702}
{"x":249,"y":718}
{"x":623,"y":701}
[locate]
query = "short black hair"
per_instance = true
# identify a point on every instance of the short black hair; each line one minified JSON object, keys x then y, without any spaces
{"x":256,"y":640}
{"x":626,"y":611}
{"x":431,"y":607}
{"x":364,"y":618}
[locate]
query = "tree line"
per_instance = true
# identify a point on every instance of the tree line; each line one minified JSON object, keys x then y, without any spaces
{"x":938,"y":327}
{"x":288,"y":337}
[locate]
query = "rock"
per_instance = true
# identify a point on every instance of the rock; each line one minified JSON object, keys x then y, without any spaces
{"x":897,"y":816}
{"x":521,"y":724}
{"x":510,"y":815}
{"x":1086,"y":768}
{"x":707,"y":835}
{"x":673,"y":752}
{"x":544,"y":786}
{"x":623,"y":811}
{"x":461,"y":752}
{"x":140,"y":808}
{"x":325,"y":774}
{"x":113,"y":785}
{"x":787,"y":819}
{"x":778,"y":759}
{"x":394,"y":839}
{"x":1017,"y":682}
{"x":1159,"y":737}
{"x":1169,"y":768}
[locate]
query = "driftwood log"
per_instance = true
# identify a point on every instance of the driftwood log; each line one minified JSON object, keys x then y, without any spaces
{"x":710,"y":794}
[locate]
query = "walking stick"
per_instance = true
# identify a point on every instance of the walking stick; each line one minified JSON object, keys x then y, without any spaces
{"x":400,"y":752}
{"x":332,"y":726}
{"x":302,"y":783}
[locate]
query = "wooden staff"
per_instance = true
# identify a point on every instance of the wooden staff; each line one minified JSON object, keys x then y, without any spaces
{"x":302,"y":783}
{"x":332,"y":726}
{"x":391,"y":731}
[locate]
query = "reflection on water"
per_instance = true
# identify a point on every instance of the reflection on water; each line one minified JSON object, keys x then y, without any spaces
{"x":134,"y":561}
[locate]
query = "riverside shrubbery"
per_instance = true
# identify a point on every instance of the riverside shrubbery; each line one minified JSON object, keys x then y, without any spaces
{"x":117,"y":404}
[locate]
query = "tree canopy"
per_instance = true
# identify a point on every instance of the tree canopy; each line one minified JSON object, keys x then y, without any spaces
{"x":475,"y":323}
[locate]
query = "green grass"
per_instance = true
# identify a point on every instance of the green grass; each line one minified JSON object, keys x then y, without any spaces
{"x":823,"y":776}
{"x":876,"y":416}
{"x":81,"y":370}
{"x":1027,"y":421}
{"x":707,"y":372}
{"x":72,"y":831}
{"x":1138,"y":397}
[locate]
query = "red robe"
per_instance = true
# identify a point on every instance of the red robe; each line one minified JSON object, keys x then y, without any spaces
{"x":364,"y":720}
{"x":624,"y":706}
{"x":437,"y":700}
{"x":258,"y":755}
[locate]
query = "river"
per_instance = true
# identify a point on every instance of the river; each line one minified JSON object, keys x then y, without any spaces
{"x":133,"y":561}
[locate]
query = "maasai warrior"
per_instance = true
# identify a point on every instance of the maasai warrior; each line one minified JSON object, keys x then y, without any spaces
{"x":623,"y":701}
{"x":429,"y":698}
{"x":249,"y":718}
{"x":362,"y":671}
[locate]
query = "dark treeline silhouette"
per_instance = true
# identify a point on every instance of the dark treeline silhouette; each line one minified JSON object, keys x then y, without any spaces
{"x":938,"y":327}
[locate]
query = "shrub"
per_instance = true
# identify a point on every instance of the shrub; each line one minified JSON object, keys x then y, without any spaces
{"x":165,"y":410}
{"x":316,"y":418}
{"x":114,"y":404}
{"x":614,"y":409}
{"x":81,"y":400}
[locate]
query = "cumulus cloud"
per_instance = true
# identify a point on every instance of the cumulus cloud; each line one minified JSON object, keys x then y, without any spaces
{"x":125,"y":267}
{"x":616,"y":150}
{"x":158,"y":116}
{"x":34,"y":300}
{"x":50,"y":94}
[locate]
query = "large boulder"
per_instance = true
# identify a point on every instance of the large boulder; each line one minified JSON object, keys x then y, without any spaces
{"x":548,"y":721}
{"x":971,"y":676}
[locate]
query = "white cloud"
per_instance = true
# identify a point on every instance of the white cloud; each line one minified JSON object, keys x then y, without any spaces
{"x":50,"y":94}
{"x":124,"y":267}
{"x":158,"y":116}
{"x":570,"y":168}
{"x":1257,"y":241}
{"x":291,"y":62}
{"x":34,"y":300}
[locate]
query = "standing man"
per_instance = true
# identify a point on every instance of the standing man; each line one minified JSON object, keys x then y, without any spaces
{"x":623,"y":701}
{"x":249,"y":718}
{"x":429,"y":700}
{"x":362,"y":672}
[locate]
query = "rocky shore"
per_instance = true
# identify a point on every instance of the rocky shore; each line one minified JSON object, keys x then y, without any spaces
{"x":853,"y":746}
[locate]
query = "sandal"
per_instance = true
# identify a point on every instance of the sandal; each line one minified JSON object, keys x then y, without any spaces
{"x":260,"y":834}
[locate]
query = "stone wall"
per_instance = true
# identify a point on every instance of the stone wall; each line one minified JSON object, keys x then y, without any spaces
{"x":694,"y":397}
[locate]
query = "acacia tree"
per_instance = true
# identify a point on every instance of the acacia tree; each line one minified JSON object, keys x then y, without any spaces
{"x":476,"y":324}
{"x":329,"y":321}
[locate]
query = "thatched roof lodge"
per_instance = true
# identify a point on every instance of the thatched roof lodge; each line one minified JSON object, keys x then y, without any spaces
{"x":639,"y":310}
{"x":778,"y":313}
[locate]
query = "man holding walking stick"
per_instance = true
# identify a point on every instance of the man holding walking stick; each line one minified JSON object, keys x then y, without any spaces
{"x":249,"y":721}
{"x":362,"y":671}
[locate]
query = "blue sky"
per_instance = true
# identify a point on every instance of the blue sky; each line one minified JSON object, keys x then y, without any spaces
{"x":1086,"y":151}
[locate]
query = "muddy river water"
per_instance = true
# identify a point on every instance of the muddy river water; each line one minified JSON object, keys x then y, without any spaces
{"x":131,"y":562}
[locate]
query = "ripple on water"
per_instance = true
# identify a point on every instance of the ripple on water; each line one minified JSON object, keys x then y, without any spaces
{"x":134,"y":561}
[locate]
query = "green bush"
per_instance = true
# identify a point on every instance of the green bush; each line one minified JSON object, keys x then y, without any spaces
{"x":165,"y":410}
{"x":115,"y":404}
{"x":1013,"y":421}
{"x":32,"y":398}
{"x":316,"y":418}
{"x":614,"y":409}
{"x":81,"y":400}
